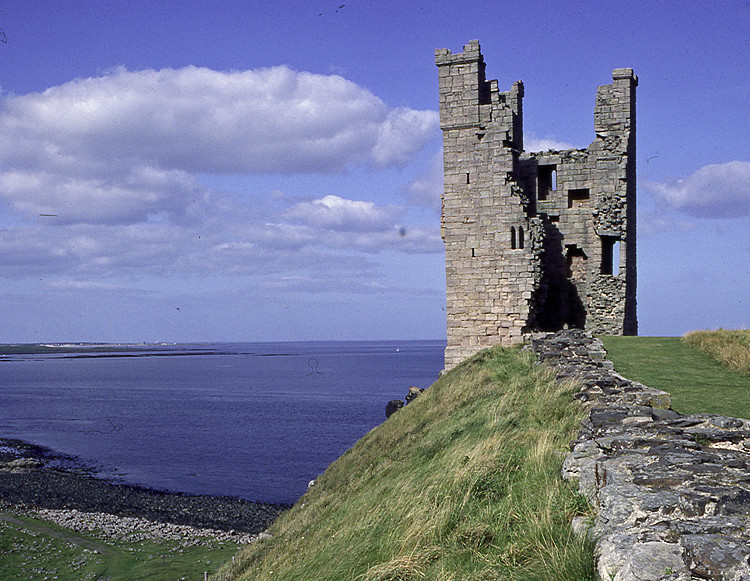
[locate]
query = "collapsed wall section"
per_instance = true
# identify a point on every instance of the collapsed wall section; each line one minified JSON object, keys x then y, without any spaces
{"x":586,"y":198}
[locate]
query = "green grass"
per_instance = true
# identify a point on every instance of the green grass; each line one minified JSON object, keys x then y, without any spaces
{"x":728,"y":347}
{"x":696,"y":381}
{"x":462,"y":484}
{"x":40,"y":550}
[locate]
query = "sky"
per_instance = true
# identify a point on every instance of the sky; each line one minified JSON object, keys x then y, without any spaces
{"x":271,"y":170}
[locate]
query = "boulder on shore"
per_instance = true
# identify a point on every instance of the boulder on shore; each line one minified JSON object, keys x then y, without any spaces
{"x":392,"y":407}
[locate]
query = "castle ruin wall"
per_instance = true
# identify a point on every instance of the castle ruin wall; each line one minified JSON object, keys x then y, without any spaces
{"x":533,"y":241}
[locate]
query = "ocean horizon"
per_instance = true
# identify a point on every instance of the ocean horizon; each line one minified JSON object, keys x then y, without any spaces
{"x":256,"y":421}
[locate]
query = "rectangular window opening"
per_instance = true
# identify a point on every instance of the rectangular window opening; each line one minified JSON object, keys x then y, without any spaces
{"x":547,"y":180}
{"x":610,"y":255}
{"x":467,"y":178}
{"x":578,"y":197}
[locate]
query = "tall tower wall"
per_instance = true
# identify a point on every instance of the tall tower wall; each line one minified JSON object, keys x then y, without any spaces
{"x":533,"y":241}
{"x":491,"y":246}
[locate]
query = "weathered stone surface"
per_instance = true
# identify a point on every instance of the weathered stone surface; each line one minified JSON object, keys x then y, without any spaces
{"x":396,"y":404}
{"x":392,"y":407}
{"x":533,"y":240}
{"x":672,"y":492}
{"x":414,"y":393}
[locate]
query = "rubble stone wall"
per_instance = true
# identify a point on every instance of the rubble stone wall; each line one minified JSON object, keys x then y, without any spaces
{"x":671,"y":491}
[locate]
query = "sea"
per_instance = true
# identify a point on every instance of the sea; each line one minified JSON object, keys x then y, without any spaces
{"x":256,"y":421}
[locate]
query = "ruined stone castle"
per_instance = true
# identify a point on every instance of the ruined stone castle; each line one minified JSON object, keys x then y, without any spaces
{"x":534,"y":241}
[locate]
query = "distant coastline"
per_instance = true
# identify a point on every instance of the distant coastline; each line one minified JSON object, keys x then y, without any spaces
{"x":255,"y":421}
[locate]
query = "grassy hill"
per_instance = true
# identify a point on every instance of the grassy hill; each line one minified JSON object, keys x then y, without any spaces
{"x":462,"y":484}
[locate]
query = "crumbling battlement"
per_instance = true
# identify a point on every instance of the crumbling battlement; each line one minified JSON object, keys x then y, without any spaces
{"x":533,"y":241}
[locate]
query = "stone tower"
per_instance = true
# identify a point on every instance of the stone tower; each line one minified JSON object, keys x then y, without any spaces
{"x":533,"y":241}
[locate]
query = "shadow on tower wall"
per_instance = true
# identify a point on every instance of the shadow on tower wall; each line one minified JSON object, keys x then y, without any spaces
{"x":557,"y":303}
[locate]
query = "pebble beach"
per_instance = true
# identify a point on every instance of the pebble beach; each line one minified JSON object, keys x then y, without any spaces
{"x":36,"y":481}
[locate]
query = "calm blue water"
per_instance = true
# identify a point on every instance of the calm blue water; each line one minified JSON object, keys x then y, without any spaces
{"x":253,"y":420}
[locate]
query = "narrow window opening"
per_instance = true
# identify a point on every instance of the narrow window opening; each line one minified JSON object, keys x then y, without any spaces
{"x":512,"y":238}
{"x":578,"y":197}
{"x":547,"y":180}
{"x":610,"y":255}
{"x":520,"y":236}
{"x":467,"y":178}
{"x":472,"y":253}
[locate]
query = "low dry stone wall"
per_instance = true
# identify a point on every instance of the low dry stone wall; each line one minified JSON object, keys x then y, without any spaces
{"x":671,"y":491}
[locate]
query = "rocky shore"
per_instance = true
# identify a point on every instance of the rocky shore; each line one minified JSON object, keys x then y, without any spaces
{"x":56,"y":487}
{"x":671,"y":491}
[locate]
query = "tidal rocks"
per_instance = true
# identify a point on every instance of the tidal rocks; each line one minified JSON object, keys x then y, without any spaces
{"x":45,"y":488}
{"x":396,"y":404}
{"x":672,"y":492}
{"x":414,"y":393}
{"x":392,"y":407}
{"x":134,"y":529}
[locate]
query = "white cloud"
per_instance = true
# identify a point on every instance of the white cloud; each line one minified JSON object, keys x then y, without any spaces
{"x":230,"y":241}
{"x":411,"y":240}
{"x":307,"y":284}
{"x":714,"y":191}
{"x":200,"y":120}
{"x":336,"y":213}
{"x":427,"y":188}
{"x":100,"y":175}
{"x":85,"y":285}
{"x":656,"y":221}
{"x":534,"y":143}
{"x":403,"y":133}
{"x":128,"y":197}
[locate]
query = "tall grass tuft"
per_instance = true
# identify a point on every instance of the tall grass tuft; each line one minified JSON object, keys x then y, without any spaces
{"x":462,"y":484}
{"x":728,"y":347}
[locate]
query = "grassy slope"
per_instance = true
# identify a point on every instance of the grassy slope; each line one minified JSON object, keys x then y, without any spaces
{"x":696,"y":381}
{"x":464,"y":484}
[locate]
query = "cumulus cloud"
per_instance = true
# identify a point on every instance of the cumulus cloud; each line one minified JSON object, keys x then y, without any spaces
{"x":127,"y":197}
{"x":714,"y":191}
{"x":225,"y":243}
{"x":403,"y":133}
{"x":103,"y":174}
{"x":336,"y":213}
{"x":273,"y":120}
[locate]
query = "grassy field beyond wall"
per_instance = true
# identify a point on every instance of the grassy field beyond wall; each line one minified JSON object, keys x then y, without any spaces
{"x":462,"y":484}
{"x":729,"y":347}
{"x":698,"y":382}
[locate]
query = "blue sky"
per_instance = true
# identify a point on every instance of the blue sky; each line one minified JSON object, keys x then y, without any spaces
{"x":270,"y":170}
